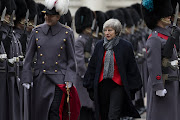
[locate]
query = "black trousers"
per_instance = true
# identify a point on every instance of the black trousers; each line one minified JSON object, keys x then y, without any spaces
{"x":111,"y":99}
{"x":86,"y":114}
{"x":54,"y":109}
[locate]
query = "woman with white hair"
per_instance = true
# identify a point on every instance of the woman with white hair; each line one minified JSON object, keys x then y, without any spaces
{"x":112,"y":77}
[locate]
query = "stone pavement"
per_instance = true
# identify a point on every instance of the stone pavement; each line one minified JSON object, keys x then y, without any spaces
{"x":143,"y":116}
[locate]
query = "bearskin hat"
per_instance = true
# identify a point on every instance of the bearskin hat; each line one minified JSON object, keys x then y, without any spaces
{"x":137,"y":7}
{"x":101,"y":18}
{"x":20,"y":11}
{"x":134,"y":15}
{"x":154,"y":10}
{"x":9,"y":4}
{"x":40,"y":8}
{"x":32,"y":6}
{"x":83,"y":19}
{"x":120,"y":16}
{"x":66,"y":19}
{"x":127,"y":17}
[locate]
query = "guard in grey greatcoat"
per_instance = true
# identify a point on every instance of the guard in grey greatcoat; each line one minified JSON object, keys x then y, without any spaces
{"x":56,"y":65}
{"x":12,"y":50}
{"x":83,"y":28}
{"x":163,"y":85}
{"x":4,"y":107}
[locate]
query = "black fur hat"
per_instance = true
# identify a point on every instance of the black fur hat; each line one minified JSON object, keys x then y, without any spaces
{"x":40,"y":8}
{"x":127,"y":17}
{"x":32,"y":6}
{"x":83,"y":19}
{"x":120,"y":16}
{"x":9,"y":4}
{"x":134,"y":15}
{"x":21,"y":10}
{"x":117,"y":14}
{"x":101,"y":18}
{"x":154,"y":10}
{"x":110,"y":13}
{"x":66,"y":19}
{"x":137,"y":7}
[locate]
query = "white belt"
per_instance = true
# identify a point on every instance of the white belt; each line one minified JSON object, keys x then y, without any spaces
{"x":13,"y":60}
{"x":3,"y":56}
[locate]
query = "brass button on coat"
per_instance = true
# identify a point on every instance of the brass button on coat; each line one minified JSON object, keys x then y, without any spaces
{"x":39,"y":46}
{"x":64,"y":40}
{"x":36,"y":31}
{"x":37,"y":39}
{"x":55,"y":70}
{"x":44,"y":70}
{"x":41,"y":54}
{"x":66,"y":32}
{"x":56,"y":63}
{"x":43,"y":62}
{"x":61,"y":48}
{"x":59,"y":55}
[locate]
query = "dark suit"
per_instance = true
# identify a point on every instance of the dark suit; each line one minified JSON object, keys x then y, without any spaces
{"x":128,"y":70}
{"x":55,"y":65}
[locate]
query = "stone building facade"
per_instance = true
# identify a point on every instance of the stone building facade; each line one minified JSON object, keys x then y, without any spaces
{"x":102,"y":5}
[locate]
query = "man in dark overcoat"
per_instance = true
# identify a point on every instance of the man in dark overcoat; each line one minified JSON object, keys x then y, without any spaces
{"x":55,"y":66}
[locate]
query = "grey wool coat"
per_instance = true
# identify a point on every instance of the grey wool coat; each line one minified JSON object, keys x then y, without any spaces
{"x":55,"y":64}
{"x":161,"y":108}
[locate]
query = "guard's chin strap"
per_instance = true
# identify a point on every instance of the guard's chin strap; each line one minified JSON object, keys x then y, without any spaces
{"x":165,"y":21}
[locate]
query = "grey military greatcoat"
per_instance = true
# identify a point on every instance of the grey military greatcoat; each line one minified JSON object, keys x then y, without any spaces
{"x":55,"y":65}
{"x":81,"y":69}
{"x":161,"y":108}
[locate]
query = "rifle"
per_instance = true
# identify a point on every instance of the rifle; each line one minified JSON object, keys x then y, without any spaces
{"x":3,"y":56}
{"x":87,"y":49}
{"x":35,"y":21}
{"x":168,"y":48}
{"x":23,"y":38}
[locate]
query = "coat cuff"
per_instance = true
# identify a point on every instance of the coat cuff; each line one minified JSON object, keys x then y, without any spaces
{"x":70,"y":76}
{"x":27,"y":77}
{"x":158,"y":86}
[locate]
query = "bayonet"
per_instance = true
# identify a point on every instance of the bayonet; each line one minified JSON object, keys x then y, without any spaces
{"x":3,"y":14}
{"x":132,"y":29}
{"x":124,"y":28}
{"x":35,"y":20}
{"x":26,"y":20}
{"x":66,"y":24}
{"x":176,"y":15}
{"x":93,"y":25}
{"x":97,"y":31}
{"x":12,"y":19}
